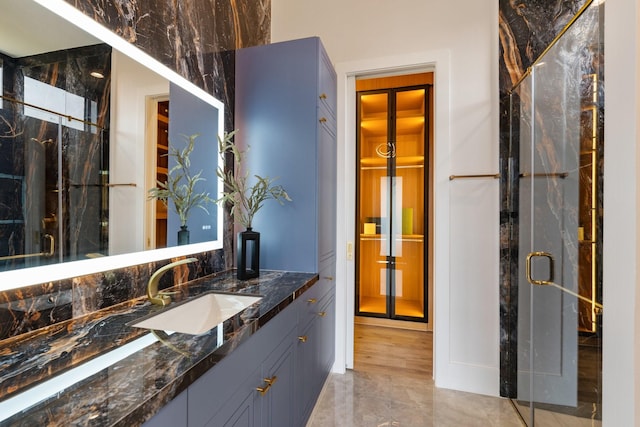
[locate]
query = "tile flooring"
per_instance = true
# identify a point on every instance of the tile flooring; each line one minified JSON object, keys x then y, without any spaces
{"x":392,"y":385}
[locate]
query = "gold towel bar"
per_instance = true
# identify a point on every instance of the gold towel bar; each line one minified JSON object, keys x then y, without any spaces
{"x":489,"y":175}
{"x":545,"y":175}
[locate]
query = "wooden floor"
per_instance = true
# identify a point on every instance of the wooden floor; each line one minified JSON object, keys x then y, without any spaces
{"x":381,"y":349}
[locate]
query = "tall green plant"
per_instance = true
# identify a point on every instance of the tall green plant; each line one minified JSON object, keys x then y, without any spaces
{"x":245,"y":199}
{"x":180,"y":184}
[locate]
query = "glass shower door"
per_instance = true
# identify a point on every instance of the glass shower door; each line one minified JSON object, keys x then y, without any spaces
{"x":558,"y":143}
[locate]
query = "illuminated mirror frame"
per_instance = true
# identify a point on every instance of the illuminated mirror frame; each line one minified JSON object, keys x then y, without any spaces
{"x":30,"y":276}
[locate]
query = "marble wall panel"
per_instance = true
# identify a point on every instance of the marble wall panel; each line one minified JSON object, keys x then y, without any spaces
{"x":197,"y":39}
{"x":191,"y":37}
{"x":27,"y":309}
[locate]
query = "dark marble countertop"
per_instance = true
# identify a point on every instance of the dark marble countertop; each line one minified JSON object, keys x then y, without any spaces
{"x":130,"y":391}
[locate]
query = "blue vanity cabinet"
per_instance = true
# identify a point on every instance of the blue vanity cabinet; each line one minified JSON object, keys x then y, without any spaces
{"x":273,"y":378}
{"x":285,"y":111}
{"x":173,"y":414}
{"x":315,"y":348}
{"x":269,"y":406}
{"x":228,"y":394}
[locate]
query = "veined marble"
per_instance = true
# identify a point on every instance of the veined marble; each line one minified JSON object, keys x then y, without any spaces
{"x":134,"y":389}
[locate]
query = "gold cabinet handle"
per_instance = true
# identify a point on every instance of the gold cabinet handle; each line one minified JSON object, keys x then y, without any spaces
{"x":302,"y":338}
{"x":272,"y":380}
{"x":323,"y":119}
{"x":263,"y":390}
{"x":323,"y":96}
{"x":312,"y":300}
{"x":322,"y":313}
{"x":530,"y":279}
{"x":269,"y":381}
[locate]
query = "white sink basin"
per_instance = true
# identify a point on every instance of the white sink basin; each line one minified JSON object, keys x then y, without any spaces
{"x":200,"y":314}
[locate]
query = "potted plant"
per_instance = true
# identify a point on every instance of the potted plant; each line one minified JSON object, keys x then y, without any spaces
{"x":245,"y":199}
{"x":180,"y":187}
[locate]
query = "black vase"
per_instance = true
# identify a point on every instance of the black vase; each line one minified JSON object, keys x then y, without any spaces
{"x":248,"y":259}
{"x":183,"y":235}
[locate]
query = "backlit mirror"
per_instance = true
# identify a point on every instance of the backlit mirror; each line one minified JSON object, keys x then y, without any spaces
{"x":86,"y":123}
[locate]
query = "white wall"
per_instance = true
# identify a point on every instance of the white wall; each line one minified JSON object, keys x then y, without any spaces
{"x":621,"y":316}
{"x":131,"y":84}
{"x":458,"y":38}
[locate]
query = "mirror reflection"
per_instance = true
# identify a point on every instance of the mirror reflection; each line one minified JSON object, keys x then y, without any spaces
{"x":78,"y":118}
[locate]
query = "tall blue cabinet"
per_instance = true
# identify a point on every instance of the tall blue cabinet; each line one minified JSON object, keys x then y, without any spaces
{"x":285,"y":111}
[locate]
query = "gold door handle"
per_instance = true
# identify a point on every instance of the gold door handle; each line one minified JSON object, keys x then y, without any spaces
{"x":312,"y":300}
{"x":52,"y":244}
{"x":322,"y":313}
{"x":302,"y":338}
{"x":530,"y":279}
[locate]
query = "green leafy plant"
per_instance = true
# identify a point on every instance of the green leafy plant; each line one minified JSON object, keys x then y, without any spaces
{"x":180,"y":184}
{"x":245,"y":199}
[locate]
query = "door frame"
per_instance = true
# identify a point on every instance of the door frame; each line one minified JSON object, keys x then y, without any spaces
{"x":438,"y":62}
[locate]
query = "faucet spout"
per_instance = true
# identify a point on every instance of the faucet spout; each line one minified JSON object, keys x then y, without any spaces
{"x":160,"y":298}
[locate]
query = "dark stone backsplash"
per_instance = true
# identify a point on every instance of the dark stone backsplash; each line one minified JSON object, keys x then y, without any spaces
{"x":30,"y":308}
{"x":197,"y":39}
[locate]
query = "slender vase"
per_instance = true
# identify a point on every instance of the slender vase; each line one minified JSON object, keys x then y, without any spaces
{"x":248,"y":258}
{"x":183,"y":235}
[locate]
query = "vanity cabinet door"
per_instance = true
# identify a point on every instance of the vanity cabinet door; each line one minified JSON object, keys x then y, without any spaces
{"x":327,"y":171}
{"x":315,"y":348}
{"x":278,"y":374}
{"x":227,"y":394}
{"x":243,"y":408}
{"x":174,"y":414}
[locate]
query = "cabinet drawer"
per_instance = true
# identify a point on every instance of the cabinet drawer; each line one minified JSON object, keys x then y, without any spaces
{"x":315,"y":304}
{"x":312,"y":300}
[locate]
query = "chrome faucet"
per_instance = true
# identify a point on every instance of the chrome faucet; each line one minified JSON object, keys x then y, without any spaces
{"x":163,"y":298}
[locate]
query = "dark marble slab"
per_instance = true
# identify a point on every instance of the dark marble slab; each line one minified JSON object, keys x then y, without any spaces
{"x":28,"y":309}
{"x":132,"y":390}
{"x":191,"y":37}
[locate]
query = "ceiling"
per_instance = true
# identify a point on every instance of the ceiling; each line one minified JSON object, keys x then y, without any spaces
{"x":27,"y":28}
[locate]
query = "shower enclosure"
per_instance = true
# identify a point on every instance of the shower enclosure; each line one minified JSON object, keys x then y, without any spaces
{"x":54,"y":154}
{"x":557,"y":128}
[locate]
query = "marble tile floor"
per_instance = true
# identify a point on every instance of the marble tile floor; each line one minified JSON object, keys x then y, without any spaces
{"x":362,"y":399}
{"x":380,"y":393}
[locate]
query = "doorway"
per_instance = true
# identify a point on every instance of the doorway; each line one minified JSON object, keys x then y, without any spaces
{"x":394,"y":134}
{"x":393,"y":180}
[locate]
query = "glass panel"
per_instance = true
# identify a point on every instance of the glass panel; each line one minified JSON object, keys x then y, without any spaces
{"x":375,"y":151}
{"x":559,"y":330}
{"x":408,"y":207}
